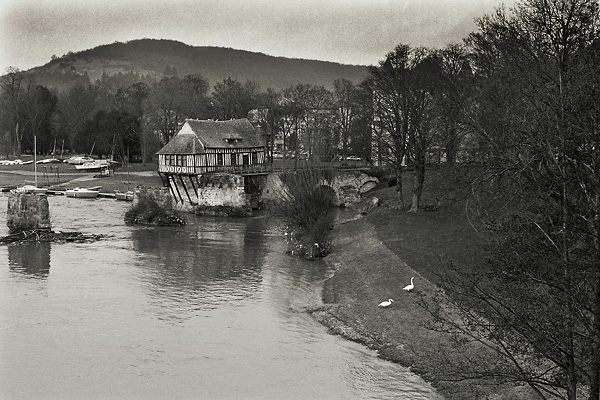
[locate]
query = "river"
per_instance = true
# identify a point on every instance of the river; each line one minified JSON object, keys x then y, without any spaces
{"x":211,"y":310}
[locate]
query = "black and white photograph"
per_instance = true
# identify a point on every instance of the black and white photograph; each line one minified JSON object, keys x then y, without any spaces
{"x":300,"y":200}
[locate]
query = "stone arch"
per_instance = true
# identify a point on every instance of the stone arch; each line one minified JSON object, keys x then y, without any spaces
{"x":348,"y":186}
{"x":331,"y":191}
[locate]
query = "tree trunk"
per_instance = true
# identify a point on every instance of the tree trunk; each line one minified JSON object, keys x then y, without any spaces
{"x":18,"y":140}
{"x":399,"y":191}
{"x":419,"y":179}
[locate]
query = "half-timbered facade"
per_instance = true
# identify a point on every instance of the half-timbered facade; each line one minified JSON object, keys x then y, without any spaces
{"x":207,"y":147}
{"x":203,"y":146}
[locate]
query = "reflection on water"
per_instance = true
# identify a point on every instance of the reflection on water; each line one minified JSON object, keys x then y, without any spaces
{"x":214,"y":310}
{"x":32,"y":259}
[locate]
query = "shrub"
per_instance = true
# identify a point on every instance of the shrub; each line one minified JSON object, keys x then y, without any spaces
{"x":147,"y":211}
{"x":307,"y":209}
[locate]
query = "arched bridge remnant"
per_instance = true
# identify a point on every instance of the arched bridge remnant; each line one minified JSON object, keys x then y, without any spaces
{"x":199,"y":192}
{"x":348,"y":186}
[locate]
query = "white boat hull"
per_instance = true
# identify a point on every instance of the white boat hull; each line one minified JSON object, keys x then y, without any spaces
{"x":125,"y":196}
{"x":82,"y":193}
{"x":30,"y":189}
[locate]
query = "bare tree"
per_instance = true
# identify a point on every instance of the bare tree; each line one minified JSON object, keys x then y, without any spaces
{"x":232,"y":99}
{"x":345,"y":94}
{"x":389,"y":83}
{"x":456,"y":87}
{"x":37,"y":111}
{"x":403,"y":97}
{"x":15,"y":88}
{"x":78,"y":105}
{"x":538,"y":305}
{"x":424,"y":91}
{"x":318,"y":105}
{"x":173,"y":100}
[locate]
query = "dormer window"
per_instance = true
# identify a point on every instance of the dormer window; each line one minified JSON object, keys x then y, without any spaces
{"x":233,"y":140}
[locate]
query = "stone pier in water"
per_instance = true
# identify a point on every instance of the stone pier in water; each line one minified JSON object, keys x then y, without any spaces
{"x":27,"y":212}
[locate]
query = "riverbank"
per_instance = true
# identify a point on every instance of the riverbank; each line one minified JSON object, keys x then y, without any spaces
{"x":374,"y":258}
{"x":66,"y":176}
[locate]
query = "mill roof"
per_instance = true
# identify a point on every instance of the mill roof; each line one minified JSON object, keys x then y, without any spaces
{"x":197,"y":135}
{"x":182,"y":144}
{"x":220,"y":133}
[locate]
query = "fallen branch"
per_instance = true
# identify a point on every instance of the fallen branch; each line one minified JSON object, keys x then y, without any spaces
{"x":43,"y":235}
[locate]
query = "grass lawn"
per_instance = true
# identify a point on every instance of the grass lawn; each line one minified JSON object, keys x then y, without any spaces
{"x":68,"y":176}
{"x":375,"y":256}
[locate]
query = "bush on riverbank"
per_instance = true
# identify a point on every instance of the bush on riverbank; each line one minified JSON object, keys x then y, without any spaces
{"x":307,"y":208}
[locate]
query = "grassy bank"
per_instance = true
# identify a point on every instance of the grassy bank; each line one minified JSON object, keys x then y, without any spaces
{"x":375,"y":257}
{"x":69,"y":177}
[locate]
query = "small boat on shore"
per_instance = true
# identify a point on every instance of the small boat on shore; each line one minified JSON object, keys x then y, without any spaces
{"x":30,"y":189}
{"x":91,"y":166}
{"x":124,"y":196}
{"x":82,"y":193}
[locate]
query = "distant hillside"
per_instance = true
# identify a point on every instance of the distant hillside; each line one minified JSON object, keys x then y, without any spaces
{"x":153,"y":58}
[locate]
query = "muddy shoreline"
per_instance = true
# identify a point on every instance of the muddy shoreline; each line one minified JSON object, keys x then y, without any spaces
{"x":367,"y":272}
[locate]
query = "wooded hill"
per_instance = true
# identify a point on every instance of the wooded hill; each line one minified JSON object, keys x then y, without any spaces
{"x":151,"y":60}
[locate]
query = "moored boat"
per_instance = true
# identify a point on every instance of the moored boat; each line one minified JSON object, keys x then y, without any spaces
{"x":82,"y":193}
{"x":30,"y":189}
{"x":125,"y":196}
{"x":91,"y":166}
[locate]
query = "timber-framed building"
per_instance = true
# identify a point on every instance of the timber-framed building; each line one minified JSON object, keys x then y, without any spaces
{"x":204,"y":150}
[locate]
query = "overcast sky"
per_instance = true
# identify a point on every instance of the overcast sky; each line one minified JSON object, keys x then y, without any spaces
{"x":344,"y":31}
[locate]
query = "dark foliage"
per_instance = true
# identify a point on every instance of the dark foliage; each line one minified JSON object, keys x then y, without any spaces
{"x":147,"y":211}
{"x":308,"y":211}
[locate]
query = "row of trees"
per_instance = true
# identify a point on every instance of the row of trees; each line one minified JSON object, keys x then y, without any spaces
{"x":140,"y":117}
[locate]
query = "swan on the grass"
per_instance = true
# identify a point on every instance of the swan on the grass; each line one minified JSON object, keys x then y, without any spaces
{"x":410,"y":287}
{"x":386,"y":303}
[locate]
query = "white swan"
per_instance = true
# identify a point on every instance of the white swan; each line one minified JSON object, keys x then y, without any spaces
{"x":386,"y":303}
{"x":410,"y":287}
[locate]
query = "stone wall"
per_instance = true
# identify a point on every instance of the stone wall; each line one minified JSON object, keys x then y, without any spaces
{"x":27,"y":211}
{"x":222,"y":190}
{"x":274,"y":189}
{"x":227,"y":191}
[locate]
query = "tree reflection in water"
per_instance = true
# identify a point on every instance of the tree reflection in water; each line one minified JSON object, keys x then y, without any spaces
{"x":31,"y":259}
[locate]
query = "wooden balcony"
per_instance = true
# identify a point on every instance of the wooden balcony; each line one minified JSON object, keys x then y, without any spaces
{"x":252,"y":169}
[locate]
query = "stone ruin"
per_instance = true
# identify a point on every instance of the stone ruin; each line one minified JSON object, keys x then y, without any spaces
{"x":27,"y":212}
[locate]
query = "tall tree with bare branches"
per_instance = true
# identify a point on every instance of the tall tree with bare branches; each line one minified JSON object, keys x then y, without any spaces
{"x":15,"y":86}
{"x":538,"y":102}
